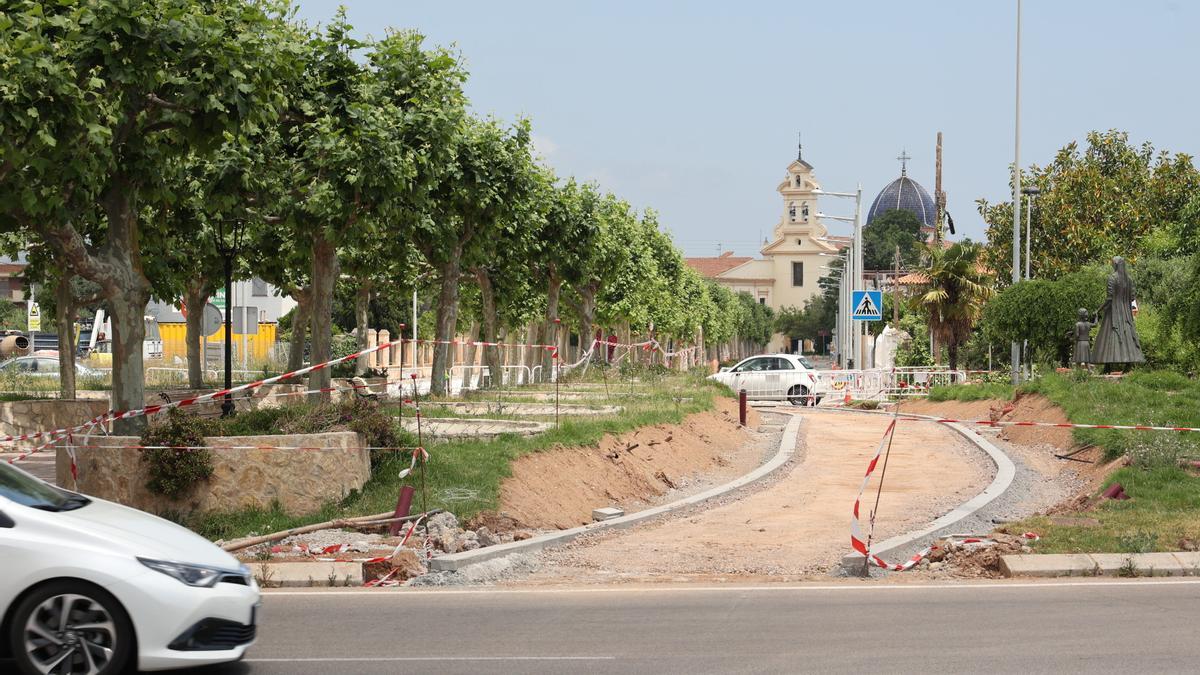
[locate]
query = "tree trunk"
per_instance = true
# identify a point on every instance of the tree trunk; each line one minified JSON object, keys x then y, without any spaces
{"x":491,"y":355}
{"x":447,"y":318}
{"x":587,"y":313}
{"x":952,"y":348}
{"x":127,"y":298}
{"x":324,"y":276}
{"x":362,"y":306}
{"x":194,"y":298}
{"x":550,"y":334}
{"x":129,"y":333}
{"x":64,"y":317}
{"x":300,"y":328}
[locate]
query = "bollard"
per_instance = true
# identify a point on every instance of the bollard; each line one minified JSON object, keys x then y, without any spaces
{"x":403,"y":506}
{"x":742,"y":407}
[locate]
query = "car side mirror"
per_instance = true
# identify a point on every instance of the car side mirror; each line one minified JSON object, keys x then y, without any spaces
{"x":5,"y":521}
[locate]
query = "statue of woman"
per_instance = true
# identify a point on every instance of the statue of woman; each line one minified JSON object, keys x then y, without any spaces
{"x":1117,"y":340}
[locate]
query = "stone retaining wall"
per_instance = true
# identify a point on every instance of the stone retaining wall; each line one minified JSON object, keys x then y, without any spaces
{"x":300,"y":480}
{"x":21,"y":417}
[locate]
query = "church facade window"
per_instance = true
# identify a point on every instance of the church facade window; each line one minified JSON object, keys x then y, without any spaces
{"x":792,"y":211}
{"x":804,"y":211}
{"x":797,"y":274}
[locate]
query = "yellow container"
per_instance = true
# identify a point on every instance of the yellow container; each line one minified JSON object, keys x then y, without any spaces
{"x":259,"y":346}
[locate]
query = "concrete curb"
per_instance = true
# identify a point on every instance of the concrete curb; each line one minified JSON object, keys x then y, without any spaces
{"x":1005,"y":472}
{"x":1177,"y":564}
{"x":787,"y":446}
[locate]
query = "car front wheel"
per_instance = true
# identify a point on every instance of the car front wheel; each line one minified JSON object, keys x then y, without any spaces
{"x":69,"y":627}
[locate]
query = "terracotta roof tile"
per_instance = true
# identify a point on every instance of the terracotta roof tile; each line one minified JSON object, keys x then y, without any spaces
{"x":713,"y":267}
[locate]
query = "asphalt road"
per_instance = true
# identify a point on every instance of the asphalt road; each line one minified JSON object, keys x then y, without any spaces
{"x":1094,"y":626}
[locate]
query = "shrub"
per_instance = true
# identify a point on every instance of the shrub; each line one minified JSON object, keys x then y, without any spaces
{"x":1044,"y":311}
{"x":1163,"y":343}
{"x":175,"y":470}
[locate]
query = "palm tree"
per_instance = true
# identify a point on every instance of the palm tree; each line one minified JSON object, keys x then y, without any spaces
{"x":958,"y":286}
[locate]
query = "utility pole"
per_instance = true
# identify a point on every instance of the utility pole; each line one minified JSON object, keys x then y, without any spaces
{"x":860,"y":360}
{"x":939,"y":195}
{"x":1016,"y":198}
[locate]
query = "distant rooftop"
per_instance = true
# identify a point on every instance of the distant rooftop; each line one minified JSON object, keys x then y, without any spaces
{"x":714,"y":267}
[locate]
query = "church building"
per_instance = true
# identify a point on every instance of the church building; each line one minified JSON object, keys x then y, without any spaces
{"x":792,"y":260}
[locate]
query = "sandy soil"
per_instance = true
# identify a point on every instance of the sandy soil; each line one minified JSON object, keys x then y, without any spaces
{"x":1035,"y":446}
{"x":558,"y":489}
{"x":796,"y":526}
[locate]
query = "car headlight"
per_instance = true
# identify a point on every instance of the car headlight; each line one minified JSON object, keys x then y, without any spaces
{"x":192,"y":575}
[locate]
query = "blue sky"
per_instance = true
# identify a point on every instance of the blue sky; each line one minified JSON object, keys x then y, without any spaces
{"x":692,"y":108}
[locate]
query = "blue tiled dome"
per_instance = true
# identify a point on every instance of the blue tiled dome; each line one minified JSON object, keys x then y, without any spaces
{"x":905,"y":193}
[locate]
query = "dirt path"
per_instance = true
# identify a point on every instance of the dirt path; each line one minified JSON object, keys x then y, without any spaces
{"x":794,"y":527}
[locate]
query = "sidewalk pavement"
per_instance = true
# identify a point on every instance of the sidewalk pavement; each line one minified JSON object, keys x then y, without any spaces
{"x":1179,"y":564}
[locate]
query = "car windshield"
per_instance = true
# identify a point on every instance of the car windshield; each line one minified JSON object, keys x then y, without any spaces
{"x":23,"y":489}
{"x":804,"y":362}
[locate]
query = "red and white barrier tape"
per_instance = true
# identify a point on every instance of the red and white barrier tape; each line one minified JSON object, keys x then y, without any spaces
{"x":1015,"y":423}
{"x":859,"y":543}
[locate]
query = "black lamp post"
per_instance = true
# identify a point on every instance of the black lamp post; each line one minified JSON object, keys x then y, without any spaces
{"x":228,"y":243}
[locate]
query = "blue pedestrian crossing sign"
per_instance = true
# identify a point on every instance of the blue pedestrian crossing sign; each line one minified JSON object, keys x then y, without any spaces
{"x":868,"y":305}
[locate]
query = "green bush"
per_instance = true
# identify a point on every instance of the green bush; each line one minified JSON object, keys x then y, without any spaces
{"x":362,"y":415}
{"x":343,"y":345}
{"x":176,"y":469}
{"x":1044,"y":312}
{"x":1163,"y":344}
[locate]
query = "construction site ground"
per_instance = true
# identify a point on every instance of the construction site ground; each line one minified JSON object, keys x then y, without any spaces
{"x":793,"y":526}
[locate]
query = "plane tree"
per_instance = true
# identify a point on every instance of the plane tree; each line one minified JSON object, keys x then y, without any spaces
{"x":98,"y":96}
{"x":476,"y":199}
{"x":362,"y":144}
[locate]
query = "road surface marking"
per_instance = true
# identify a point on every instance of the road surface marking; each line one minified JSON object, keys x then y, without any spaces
{"x":388,"y":659}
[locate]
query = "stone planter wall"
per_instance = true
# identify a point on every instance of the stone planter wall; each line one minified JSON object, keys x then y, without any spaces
{"x":300,"y":480}
{"x":21,"y":417}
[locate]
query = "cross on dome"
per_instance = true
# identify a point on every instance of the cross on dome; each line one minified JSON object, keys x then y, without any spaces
{"x":904,"y":157}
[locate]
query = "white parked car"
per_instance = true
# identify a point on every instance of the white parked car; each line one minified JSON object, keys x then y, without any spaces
{"x":775,"y":377}
{"x":89,"y":586}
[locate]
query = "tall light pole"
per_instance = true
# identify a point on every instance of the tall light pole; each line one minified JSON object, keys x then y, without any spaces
{"x":854,"y":272}
{"x":227,"y":239}
{"x":1016,"y":265}
{"x":1031,"y":191}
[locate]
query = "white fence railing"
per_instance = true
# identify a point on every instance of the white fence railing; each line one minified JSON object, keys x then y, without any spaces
{"x":836,"y":385}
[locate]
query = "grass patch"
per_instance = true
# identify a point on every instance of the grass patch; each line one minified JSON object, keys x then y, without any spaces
{"x":1163,"y":510}
{"x":981,"y":391}
{"x":1158,"y":398}
{"x":464,"y":475}
{"x":1165,"y":499}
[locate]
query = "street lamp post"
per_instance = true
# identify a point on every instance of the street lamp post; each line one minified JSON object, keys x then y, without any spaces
{"x":856,"y":345}
{"x":1031,"y":192}
{"x":1016,"y":267}
{"x":228,"y":244}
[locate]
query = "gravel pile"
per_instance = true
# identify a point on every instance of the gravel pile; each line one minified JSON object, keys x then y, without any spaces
{"x":483,"y":573}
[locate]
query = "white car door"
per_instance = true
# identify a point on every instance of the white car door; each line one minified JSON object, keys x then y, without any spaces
{"x":751,"y":376}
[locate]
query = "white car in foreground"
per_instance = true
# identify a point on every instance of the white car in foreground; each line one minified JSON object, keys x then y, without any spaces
{"x":774,"y":377}
{"x":89,"y":586}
